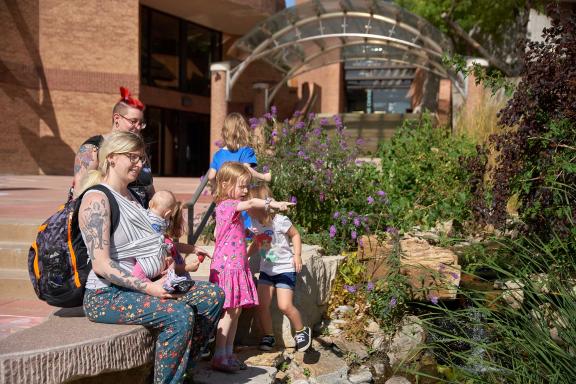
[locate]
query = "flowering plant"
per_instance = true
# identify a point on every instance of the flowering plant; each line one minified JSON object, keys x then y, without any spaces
{"x":314,"y":165}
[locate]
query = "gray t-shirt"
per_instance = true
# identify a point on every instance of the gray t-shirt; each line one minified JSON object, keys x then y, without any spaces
{"x":275,"y":249}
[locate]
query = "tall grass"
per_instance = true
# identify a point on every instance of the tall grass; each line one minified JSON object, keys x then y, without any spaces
{"x":490,"y":341}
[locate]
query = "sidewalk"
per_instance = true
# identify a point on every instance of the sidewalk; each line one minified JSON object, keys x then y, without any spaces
{"x":30,"y":200}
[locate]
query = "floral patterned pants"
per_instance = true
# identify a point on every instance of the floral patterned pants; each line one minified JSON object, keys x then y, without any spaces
{"x":184,"y":325}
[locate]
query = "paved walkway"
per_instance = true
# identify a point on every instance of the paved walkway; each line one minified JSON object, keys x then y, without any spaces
{"x":30,"y":200}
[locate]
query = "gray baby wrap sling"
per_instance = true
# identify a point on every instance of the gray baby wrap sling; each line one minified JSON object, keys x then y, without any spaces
{"x":134,"y":239}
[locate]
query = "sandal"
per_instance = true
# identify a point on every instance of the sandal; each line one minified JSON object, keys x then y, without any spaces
{"x":241,"y":365}
{"x":224,"y":365}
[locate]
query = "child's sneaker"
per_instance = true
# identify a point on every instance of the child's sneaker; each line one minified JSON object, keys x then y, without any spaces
{"x":267,"y":343}
{"x":303,"y":339}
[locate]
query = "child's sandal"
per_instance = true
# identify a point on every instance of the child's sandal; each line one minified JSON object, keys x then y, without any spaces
{"x":224,"y":365}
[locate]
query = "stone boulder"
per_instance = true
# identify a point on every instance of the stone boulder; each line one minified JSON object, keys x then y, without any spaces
{"x":310,"y":297}
{"x":407,"y":342}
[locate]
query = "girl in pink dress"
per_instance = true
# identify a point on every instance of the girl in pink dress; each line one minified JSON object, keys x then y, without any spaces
{"x":229,"y":267}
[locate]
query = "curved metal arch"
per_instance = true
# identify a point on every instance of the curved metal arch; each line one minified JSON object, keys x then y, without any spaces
{"x":287,"y":25}
{"x":342,"y":60}
{"x":439,"y":69}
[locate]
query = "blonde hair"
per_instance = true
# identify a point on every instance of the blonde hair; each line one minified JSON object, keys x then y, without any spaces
{"x":115,"y":143}
{"x":167,"y":200}
{"x":262,"y":191}
{"x":229,"y":174}
{"x":235,"y":132}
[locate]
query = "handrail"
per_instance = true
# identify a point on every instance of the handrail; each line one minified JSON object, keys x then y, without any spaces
{"x":193,"y":236}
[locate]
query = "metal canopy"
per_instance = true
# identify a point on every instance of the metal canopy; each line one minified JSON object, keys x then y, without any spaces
{"x":318,"y":33}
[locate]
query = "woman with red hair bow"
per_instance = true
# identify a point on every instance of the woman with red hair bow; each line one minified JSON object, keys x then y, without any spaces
{"x":127,"y":116}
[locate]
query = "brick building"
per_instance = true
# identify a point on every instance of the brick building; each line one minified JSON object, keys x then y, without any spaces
{"x":62,"y":62}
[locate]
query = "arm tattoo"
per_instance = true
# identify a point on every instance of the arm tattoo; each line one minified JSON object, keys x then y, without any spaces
{"x":95,"y":218}
{"x":84,"y":157}
{"x":125,"y":279}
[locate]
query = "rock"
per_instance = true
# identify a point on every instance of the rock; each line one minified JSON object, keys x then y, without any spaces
{"x":351,"y":346}
{"x":322,"y":365}
{"x":310,"y":297}
{"x":379,"y":369}
{"x":372,"y":327}
{"x":300,"y":381}
{"x":204,"y":374}
{"x":341,"y":311}
{"x":258,"y":358}
{"x":362,"y":376}
{"x":379,"y":343}
{"x":407,"y":342}
{"x":397,"y":380}
{"x":513,"y":293}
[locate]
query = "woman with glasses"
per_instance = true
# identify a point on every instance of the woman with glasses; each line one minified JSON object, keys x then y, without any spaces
{"x":183,"y":322}
{"x":127,"y":116}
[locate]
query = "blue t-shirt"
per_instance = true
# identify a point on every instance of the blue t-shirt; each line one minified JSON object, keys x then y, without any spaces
{"x":242,"y":155}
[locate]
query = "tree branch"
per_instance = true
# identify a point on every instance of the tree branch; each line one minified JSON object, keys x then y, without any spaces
{"x":505,"y":68}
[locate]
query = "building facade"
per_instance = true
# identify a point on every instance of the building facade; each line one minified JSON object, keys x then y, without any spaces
{"x":62,"y":63}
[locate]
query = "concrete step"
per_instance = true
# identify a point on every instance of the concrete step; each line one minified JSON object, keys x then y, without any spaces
{"x":14,"y":255}
{"x":15,"y":284}
{"x":19,"y":230}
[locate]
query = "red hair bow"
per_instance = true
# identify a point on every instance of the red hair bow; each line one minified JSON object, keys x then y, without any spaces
{"x":131,"y":101}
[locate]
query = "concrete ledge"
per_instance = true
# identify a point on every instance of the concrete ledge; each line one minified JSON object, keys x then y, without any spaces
{"x":68,"y":347}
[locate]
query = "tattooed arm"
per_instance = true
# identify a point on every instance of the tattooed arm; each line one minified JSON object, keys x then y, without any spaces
{"x":94,"y":220}
{"x":86,"y":159}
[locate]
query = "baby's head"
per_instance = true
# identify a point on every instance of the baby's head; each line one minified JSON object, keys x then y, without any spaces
{"x":162,"y":204}
{"x":232,"y":181}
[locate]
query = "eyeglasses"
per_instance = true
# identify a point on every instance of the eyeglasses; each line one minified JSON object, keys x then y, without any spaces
{"x":134,"y":157}
{"x":134,"y":122}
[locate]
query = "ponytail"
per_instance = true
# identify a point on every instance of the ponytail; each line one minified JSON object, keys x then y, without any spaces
{"x":176,"y":227}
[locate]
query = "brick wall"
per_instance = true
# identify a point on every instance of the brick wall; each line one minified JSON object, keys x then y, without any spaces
{"x":59,"y":77}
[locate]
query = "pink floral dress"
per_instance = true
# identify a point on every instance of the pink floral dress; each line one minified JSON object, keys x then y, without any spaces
{"x":229,"y":267}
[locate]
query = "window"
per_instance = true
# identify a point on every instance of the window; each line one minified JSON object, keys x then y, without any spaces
{"x":176,"y":54}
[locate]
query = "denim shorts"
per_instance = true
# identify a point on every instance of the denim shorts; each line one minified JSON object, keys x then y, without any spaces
{"x":281,"y":280}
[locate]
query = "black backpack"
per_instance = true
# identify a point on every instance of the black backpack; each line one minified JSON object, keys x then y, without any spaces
{"x":58,"y":261}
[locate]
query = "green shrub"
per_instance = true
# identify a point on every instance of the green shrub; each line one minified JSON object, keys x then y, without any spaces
{"x":423,"y":176}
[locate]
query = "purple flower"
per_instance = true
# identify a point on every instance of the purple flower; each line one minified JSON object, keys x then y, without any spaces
{"x":353,"y":235}
{"x":273,"y":110}
{"x":392,"y":230}
{"x":284,"y":131}
{"x":268,"y":116}
{"x":370,"y":199}
{"x":356,"y":222}
{"x":433,"y":299}
{"x":359,"y":162}
{"x":317,"y":131}
{"x":254,"y":122}
{"x":351,"y":213}
{"x":265,"y":168}
{"x":324,"y":121}
{"x":336,"y":214}
{"x":454,"y":275}
{"x":441,"y":267}
{"x":219,"y":143}
{"x":297,"y":113}
{"x":393,"y":302}
{"x":381,"y":193}
{"x":344,"y":220}
{"x":301,"y":153}
{"x":360,"y":242}
{"x":274,"y":133}
{"x":293,"y":199}
{"x":370,"y":286}
{"x":311,"y":116}
{"x":299,"y":125}
{"x":322,"y":197}
{"x":360,"y":141}
{"x":350,"y":288}
{"x":332,"y":231}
